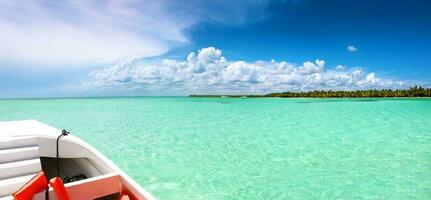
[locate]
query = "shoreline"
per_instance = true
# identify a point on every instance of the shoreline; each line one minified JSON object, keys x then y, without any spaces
{"x":245,"y":96}
{"x":416,"y":91}
{"x":205,"y":96}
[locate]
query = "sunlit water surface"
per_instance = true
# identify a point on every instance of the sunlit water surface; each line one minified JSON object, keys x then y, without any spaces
{"x":213,"y":148}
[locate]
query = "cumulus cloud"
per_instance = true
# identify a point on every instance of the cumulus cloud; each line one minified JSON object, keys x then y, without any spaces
{"x":208,"y":71}
{"x":88,"y":33}
{"x":352,"y":48}
{"x":340,"y":67}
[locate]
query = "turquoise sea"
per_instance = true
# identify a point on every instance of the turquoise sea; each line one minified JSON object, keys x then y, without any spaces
{"x":221,"y":148}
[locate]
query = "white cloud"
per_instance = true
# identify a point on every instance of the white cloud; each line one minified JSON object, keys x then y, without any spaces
{"x":340,"y":67}
{"x":352,"y":48}
{"x":209,"y":72}
{"x":87,"y":33}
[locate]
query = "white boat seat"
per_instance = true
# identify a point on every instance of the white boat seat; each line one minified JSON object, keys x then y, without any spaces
{"x":19,"y":162}
{"x":9,"y":186}
{"x":6,"y":198}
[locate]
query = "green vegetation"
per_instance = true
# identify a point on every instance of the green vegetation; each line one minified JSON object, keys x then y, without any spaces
{"x":415,"y":91}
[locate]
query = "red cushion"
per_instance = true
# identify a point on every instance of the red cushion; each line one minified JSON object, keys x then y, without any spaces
{"x":36,"y":184}
{"x":59,"y":188}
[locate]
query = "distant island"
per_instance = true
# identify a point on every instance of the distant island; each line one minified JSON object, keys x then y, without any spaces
{"x":415,"y":91}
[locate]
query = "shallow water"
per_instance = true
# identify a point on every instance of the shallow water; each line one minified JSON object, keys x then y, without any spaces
{"x":213,"y":148}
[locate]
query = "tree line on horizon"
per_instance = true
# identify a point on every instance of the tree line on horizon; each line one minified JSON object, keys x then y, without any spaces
{"x":415,"y":91}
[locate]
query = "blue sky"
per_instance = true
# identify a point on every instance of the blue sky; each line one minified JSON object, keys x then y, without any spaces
{"x":93,"y":48}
